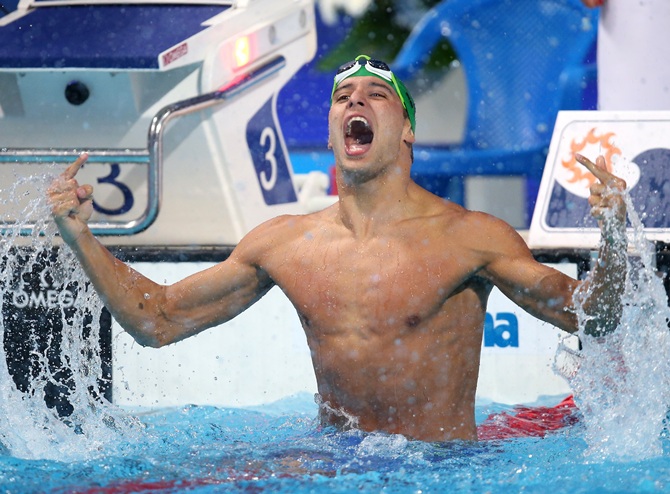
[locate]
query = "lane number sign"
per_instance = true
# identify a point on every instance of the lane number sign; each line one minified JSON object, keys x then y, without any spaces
{"x":268,"y":153}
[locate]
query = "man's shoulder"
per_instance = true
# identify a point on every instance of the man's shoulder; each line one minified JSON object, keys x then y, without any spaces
{"x":486,"y":220}
{"x":285,"y":227}
{"x":493,"y":236}
{"x":266,"y":237}
{"x":296,"y":223}
{"x":476,"y":230}
{"x":457,"y":217}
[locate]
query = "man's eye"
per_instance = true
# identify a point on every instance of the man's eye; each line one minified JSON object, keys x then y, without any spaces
{"x":343,"y":97}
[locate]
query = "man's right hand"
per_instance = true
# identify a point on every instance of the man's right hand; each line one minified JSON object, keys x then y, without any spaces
{"x":71,"y":203}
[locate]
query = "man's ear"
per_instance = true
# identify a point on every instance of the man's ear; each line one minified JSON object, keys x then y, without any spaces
{"x":408,"y":134}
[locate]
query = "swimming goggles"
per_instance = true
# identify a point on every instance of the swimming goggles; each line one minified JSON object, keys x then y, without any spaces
{"x":370,"y":66}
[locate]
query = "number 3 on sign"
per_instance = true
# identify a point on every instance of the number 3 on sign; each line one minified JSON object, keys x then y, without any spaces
{"x":269,"y":142}
{"x":127,"y":194}
{"x":268,"y":155}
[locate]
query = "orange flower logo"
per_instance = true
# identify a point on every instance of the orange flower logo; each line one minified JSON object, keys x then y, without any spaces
{"x":607,"y":149}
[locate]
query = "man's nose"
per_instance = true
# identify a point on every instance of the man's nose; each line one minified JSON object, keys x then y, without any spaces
{"x":356,"y":98}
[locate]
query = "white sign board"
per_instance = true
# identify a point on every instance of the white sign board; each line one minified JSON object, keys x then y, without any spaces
{"x":636,"y":146}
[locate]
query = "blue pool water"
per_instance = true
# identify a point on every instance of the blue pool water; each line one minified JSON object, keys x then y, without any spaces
{"x":206,"y":449}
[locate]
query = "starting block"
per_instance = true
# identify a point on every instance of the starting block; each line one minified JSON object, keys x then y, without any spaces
{"x":174,"y":102}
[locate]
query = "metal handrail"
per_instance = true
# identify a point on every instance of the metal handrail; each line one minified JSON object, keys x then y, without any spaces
{"x":153,"y":155}
{"x":17,"y":156}
{"x":199,"y":103}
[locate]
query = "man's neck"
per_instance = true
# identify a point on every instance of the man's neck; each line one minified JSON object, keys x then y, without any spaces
{"x":371,"y":207}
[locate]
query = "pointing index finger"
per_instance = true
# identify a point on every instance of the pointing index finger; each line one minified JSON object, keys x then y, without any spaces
{"x":599,"y":172}
{"x":72,"y":170}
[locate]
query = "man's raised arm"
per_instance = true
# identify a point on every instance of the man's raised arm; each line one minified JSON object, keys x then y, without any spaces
{"x":601,"y":292}
{"x":153,"y":314}
{"x":550,"y":295}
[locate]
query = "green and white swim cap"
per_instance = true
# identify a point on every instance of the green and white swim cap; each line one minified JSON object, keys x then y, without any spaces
{"x":363,"y":65}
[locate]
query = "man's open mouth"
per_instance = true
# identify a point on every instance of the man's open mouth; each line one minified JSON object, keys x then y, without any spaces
{"x":358,"y":134}
{"x":359,"y":130}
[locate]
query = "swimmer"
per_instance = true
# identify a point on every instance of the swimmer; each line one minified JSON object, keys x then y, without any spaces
{"x":390,"y":283}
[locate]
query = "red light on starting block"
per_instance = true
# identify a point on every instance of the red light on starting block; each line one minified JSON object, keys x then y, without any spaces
{"x":242,"y":51}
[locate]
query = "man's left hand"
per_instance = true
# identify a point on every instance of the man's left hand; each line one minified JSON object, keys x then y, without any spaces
{"x":608,"y":193}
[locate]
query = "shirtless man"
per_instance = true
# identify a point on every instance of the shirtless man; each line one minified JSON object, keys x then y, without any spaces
{"x":390,"y":283}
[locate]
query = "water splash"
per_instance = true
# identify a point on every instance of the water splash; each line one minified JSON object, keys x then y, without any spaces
{"x":79,"y":422}
{"x":621,"y":381}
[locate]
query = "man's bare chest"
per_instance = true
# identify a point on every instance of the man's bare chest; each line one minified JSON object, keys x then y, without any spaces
{"x":371,"y":285}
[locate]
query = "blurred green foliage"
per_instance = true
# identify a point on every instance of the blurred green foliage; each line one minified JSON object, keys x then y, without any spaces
{"x":380,"y":33}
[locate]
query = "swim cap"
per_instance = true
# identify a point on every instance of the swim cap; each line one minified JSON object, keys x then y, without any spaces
{"x":363,"y":65}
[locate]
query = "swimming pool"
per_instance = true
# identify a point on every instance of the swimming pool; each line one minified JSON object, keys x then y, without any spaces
{"x":208,"y":449}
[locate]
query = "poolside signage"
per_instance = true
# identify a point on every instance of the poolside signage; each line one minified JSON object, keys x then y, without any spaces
{"x":501,"y":330}
{"x":35,"y":308}
{"x":43,"y":296}
{"x":268,"y":153}
{"x":635,"y":146}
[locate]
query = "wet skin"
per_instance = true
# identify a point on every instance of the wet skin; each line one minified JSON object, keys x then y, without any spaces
{"x":390,"y":283}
